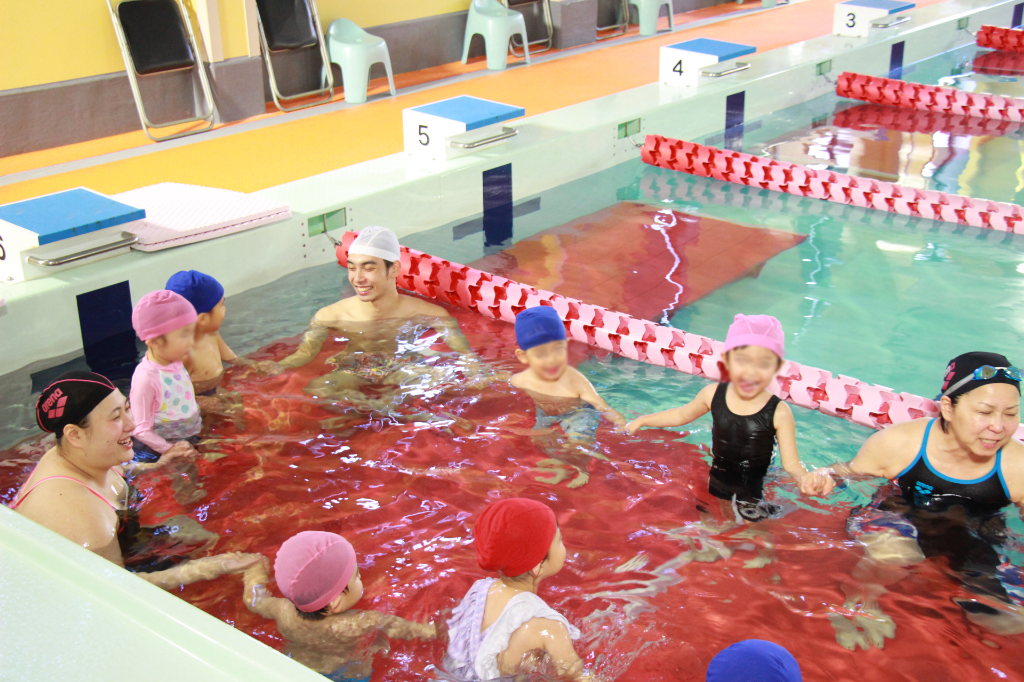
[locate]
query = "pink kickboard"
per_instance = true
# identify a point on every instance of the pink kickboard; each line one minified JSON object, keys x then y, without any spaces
{"x":178,"y":214}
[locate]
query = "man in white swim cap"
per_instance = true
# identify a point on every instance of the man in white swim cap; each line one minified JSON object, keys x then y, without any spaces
{"x":381,"y":328}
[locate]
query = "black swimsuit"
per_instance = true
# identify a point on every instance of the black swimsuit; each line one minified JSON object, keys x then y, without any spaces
{"x":959,"y":519}
{"x":742,"y":449}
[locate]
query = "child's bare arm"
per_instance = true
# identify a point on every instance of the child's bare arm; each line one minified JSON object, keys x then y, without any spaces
{"x":204,"y":568}
{"x":813,"y":483}
{"x":555,"y":640}
{"x":677,"y":416}
{"x":255,"y":594}
{"x":589,"y":394}
{"x":358,"y":623}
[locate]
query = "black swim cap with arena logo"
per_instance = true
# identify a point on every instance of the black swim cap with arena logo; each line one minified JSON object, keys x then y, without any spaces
{"x":960,"y":373}
{"x":70,"y":399}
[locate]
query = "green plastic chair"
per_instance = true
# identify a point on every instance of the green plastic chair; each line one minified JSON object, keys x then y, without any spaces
{"x":354,"y":51}
{"x":497,"y":24}
{"x":648,"y":10}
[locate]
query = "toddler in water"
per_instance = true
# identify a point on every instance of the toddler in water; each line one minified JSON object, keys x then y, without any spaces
{"x":163,"y":401}
{"x":205,"y":362}
{"x":748,"y":420}
{"x":502,"y":620}
{"x":318,"y":575}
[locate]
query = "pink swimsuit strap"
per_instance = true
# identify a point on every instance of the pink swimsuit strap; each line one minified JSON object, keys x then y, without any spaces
{"x":21,"y":498}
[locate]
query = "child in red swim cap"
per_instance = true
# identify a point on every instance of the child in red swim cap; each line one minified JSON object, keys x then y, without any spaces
{"x":319,"y":577}
{"x":501,"y":620}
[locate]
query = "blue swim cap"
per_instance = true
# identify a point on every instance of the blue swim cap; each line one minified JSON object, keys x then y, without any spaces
{"x":202,"y":291}
{"x":754,"y":660}
{"x":539,"y":325}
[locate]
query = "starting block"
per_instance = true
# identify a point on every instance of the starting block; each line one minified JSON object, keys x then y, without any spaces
{"x":856,"y":17}
{"x":454,"y":127}
{"x":59,"y":231}
{"x":683,"y":64}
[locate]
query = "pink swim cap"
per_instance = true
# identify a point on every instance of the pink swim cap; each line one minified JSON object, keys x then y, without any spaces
{"x":313,"y":568}
{"x":160,"y":312}
{"x":756,"y":330}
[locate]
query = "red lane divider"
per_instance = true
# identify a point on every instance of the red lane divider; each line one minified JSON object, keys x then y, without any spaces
{"x":500,"y":298}
{"x":878,"y":90}
{"x":998,"y":38}
{"x":999,"y":63}
{"x":864,"y":116}
{"x":781,"y":176}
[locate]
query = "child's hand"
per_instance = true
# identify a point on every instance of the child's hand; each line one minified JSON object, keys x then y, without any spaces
{"x":269,"y":367}
{"x":634,"y":426}
{"x":427,"y":631}
{"x":818,"y":483}
{"x":180,"y":450}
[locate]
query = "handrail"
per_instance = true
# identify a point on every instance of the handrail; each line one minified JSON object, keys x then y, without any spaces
{"x":740,"y":66}
{"x":505,"y":133}
{"x":889,"y":22}
{"x":127,"y":239}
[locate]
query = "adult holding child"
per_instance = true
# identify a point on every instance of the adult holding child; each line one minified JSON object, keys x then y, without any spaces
{"x":79,"y":487}
{"x":952,"y":479}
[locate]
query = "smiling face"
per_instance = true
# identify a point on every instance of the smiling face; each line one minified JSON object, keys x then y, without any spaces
{"x":174,"y":345}
{"x":548,"y":360}
{"x":751,"y":369}
{"x":371,"y":278}
{"x":985,"y":419}
{"x":106,"y":439}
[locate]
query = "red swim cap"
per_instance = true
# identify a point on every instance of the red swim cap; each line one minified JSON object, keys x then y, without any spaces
{"x":514,"y":535}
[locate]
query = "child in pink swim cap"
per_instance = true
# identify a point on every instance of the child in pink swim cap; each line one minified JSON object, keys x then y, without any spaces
{"x":318,"y":575}
{"x":163,"y":401}
{"x":748,"y":421}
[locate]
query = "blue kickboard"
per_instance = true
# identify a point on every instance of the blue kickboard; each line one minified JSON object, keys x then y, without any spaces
{"x":68,"y":214}
{"x":473,"y":111}
{"x":891,"y":6}
{"x":719,"y":48}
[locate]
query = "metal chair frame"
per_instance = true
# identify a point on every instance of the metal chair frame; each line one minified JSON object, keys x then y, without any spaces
{"x":129,"y":63}
{"x":327,"y":87}
{"x":548,"y":23}
{"x":621,"y":27}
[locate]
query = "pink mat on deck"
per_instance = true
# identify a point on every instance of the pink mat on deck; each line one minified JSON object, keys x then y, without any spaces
{"x":639,"y":259}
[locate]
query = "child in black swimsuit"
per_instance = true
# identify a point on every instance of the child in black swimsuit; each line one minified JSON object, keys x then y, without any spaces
{"x":748,"y":420}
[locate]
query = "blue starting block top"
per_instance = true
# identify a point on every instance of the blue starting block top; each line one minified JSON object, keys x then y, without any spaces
{"x":68,"y":214}
{"x":890,"y":6}
{"x":473,"y":111}
{"x":717,"y":48}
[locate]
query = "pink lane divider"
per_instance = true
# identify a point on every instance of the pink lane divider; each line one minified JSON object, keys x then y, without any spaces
{"x":500,"y":298}
{"x":928,"y":97}
{"x":998,"y":38}
{"x":749,"y":170}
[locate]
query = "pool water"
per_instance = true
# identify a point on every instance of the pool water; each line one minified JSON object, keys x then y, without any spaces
{"x":656,"y":577}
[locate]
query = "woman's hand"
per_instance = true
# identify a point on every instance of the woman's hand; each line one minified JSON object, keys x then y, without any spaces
{"x":818,"y":483}
{"x":634,"y":426}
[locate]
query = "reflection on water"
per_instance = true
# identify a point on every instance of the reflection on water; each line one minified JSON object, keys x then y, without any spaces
{"x":657,"y":580}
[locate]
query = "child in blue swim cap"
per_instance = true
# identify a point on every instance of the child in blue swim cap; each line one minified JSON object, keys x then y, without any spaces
{"x":563,"y":396}
{"x":205,"y":362}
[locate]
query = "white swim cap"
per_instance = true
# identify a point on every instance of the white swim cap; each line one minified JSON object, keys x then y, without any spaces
{"x":379,"y":242}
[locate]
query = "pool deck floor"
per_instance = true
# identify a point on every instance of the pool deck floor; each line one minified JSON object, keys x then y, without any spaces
{"x":284,"y":149}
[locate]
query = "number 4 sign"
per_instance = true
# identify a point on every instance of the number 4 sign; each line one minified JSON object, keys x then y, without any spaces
{"x":853,"y":18}
{"x":680,"y":64}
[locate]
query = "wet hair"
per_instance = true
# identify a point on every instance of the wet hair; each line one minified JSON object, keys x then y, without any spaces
{"x":943,"y":424}
{"x":388,"y":264}
{"x":314,"y":615}
{"x":777,"y":366}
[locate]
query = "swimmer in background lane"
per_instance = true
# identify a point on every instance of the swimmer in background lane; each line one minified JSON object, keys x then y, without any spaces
{"x":747,"y":419}
{"x":383,"y":331}
{"x":952,"y":480}
{"x":562,"y":394}
{"x":205,"y":361}
{"x":319,"y":577}
{"x":501,"y":627}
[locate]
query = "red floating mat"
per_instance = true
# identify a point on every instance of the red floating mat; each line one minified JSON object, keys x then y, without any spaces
{"x":638,"y":259}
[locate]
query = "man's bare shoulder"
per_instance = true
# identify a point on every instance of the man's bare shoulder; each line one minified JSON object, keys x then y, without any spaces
{"x":336,"y":312}
{"x":417,"y":306}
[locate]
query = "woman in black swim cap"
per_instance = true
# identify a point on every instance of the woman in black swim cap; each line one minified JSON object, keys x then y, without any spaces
{"x":952,"y":478}
{"x":79,"y":490}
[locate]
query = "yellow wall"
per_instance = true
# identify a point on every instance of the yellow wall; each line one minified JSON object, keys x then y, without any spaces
{"x":58,"y":40}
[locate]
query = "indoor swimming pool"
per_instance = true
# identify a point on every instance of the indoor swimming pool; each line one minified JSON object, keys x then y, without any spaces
{"x":657,"y":578}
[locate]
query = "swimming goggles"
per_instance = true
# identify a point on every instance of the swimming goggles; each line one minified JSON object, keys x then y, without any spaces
{"x":984,"y":373}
